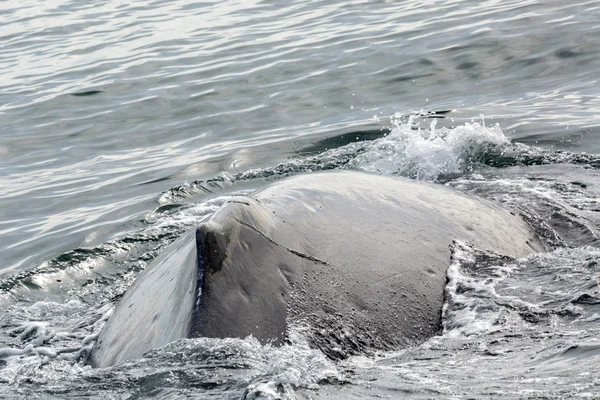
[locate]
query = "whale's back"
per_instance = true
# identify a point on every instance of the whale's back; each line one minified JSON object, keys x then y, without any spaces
{"x":359,"y":261}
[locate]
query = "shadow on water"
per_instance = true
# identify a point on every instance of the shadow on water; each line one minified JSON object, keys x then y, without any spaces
{"x":343,"y":140}
{"x":86,"y":93}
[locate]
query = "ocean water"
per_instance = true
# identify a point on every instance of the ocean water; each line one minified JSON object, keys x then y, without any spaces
{"x":123,"y":124}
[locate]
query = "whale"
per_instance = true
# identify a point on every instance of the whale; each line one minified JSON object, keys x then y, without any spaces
{"x":355,"y":262}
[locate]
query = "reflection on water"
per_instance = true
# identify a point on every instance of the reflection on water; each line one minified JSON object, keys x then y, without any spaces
{"x":97,"y":98}
{"x":120,"y":122}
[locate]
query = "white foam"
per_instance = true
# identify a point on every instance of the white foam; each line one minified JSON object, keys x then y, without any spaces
{"x":468,"y":309}
{"x":266,"y":391}
{"x":287,"y":367}
{"x":48,"y":331}
{"x":425,"y":154}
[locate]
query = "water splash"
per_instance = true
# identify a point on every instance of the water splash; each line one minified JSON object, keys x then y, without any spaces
{"x":427,"y":154}
{"x":406,"y":150}
{"x":514,"y":328}
{"x":472,"y":279}
{"x":488,"y":293}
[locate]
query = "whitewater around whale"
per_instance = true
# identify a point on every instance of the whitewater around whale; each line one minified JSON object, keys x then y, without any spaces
{"x":359,"y":260}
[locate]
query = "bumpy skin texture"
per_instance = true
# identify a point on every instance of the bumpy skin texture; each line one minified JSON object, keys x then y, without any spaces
{"x":359,"y":260}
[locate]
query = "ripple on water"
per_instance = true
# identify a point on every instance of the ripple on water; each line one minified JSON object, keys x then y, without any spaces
{"x":154,"y":88}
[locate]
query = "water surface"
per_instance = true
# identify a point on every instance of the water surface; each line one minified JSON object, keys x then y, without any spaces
{"x":121,"y":124}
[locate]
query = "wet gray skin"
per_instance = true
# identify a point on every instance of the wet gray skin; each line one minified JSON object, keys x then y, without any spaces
{"x":358,"y":260}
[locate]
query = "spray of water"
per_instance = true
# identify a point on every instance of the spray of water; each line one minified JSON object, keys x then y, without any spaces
{"x":427,"y":154}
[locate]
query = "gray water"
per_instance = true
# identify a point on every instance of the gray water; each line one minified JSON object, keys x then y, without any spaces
{"x":122,"y":124}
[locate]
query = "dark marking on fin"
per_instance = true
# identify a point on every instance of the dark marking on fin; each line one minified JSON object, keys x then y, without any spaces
{"x":295,"y":252}
{"x":211,"y":249}
{"x":311,"y":258}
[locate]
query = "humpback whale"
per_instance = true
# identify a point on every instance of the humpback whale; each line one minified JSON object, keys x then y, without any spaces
{"x":358,"y":261}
